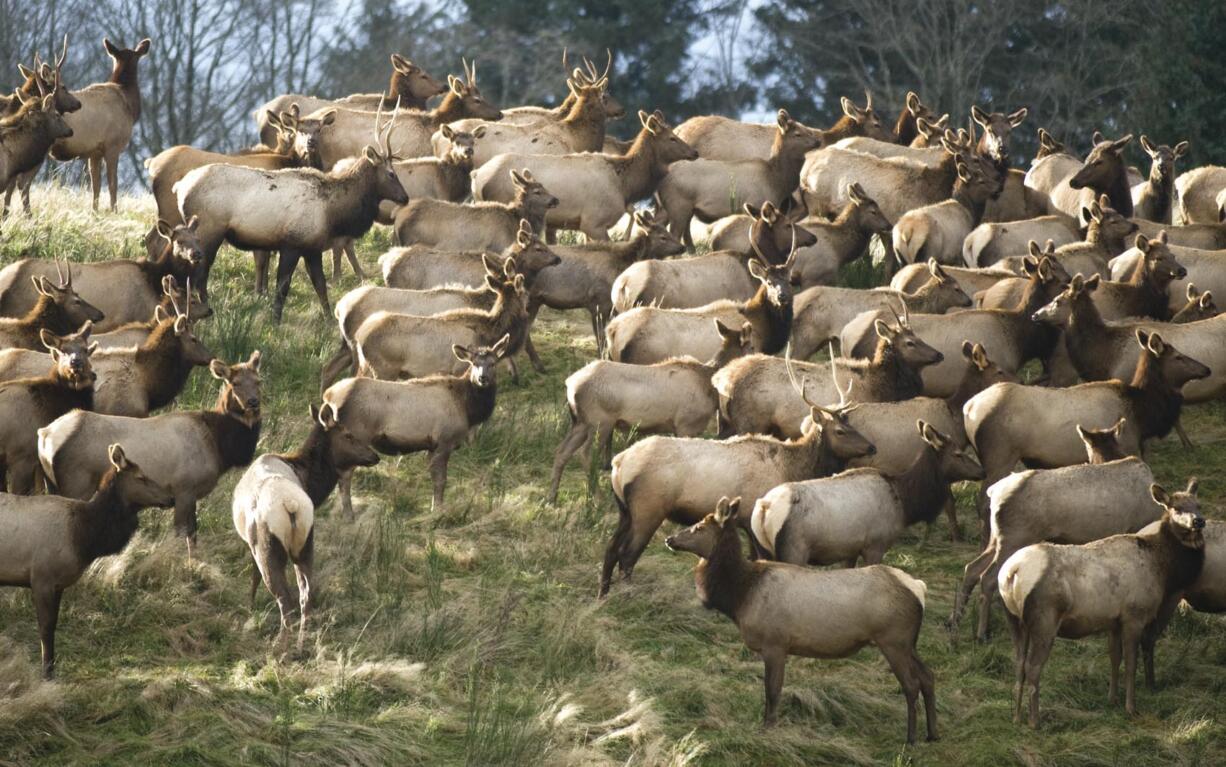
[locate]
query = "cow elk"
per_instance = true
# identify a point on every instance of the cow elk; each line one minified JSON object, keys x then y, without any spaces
{"x":491,"y":226}
{"x":1154,"y":200}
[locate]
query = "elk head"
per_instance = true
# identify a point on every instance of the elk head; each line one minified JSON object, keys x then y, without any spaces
{"x":984,"y":369}
{"x":411,"y":81}
{"x":175,"y":296}
{"x":1161,"y":267}
{"x":180,"y":244}
{"x":70,"y":355}
{"x":957,"y":463}
{"x":906,"y":344}
{"x":307,"y":132}
{"x":943,"y":289}
{"x":1200,"y":306}
{"x":240,"y":392}
{"x":1163,"y":157}
{"x":1113,"y":226}
{"x":345,"y":449}
{"x":136,"y":487}
{"x":461,"y":144}
{"x":869,"y":212}
{"x":776,"y":279}
{"x":387,"y":183}
{"x":1181,"y":514}
{"x":660,"y":241}
{"x":774,"y":232}
{"x":667,"y":145}
{"x":703,"y":538}
{"x":75,"y":309}
{"x":1103,"y":445}
{"x":472,"y":104}
{"x":1043,"y":267}
{"x":1176,"y":367}
{"x":47,"y":78}
{"x":929,"y":132}
{"x":868,"y":122}
{"x":996,"y":127}
{"x":1059,"y":310}
{"x":531,"y":195}
{"x":1048,"y":145}
{"x":531,"y":253}
{"x":483,"y":361}
{"x":1103,"y":166}
{"x":125,"y":60}
{"x":794,"y":138}
{"x":179,"y":320}
{"x":613,"y":109}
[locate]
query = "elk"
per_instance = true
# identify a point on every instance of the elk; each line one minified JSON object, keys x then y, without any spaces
{"x":937,"y":231}
{"x":594,"y":189}
{"x":59,"y":309}
{"x":838,"y":242}
{"x":102,"y":128}
{"x":710,"y":189}
{"x":859,"y":514}
{"x":1040,"y":265}
{"x":1207,"y":268}
{"x":1104,"y":173}
{"x":435,"y":178}
{"x":346,"y":135}
{"x":585,"y":274}
{"x":490,"y":226}
{"x":1009,"y":422}
{"x":528,"y":115}
{"x":1153,"y":199}
{"x":724,"y":139}
{"x":28,"y":135}
{"x":410,"y":87}
{"x":774,"y":223}
{"x":187,"y":450}
{"x":396,"y":346}
{"x":173,"y":296}
{"x":30,"y":403}
{"x":925,"y":148}
{"x":1199,"y":306}
{"x":671,"y":397}
{"x":305,"y":212}
{"x":1201,"y":193}
{"x":911,"y":118}
{"x":991,"y":242}
{"x":1117,"y":585}
{"x":912,"y":277}
{"x":42,"y":80}
{"x":646,"y":334}
{"x":123,"y":290}
{"x":274,"y":507}
{"x":433,"y":414}
{"x":1107,"y":236}
{"x":676,"y":478}
{"x":1107,"y":496}
{"x":47,"y":542}
{"x":784,"y":610}
{"x":1145,"y":293}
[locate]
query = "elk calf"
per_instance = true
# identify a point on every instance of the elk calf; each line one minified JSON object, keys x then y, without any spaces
{"x":274,"y":507}
{"x":1117,"y":585}
{"x":47,"y":542}
{"x":433,"y":414}
{"x":784,"y":610}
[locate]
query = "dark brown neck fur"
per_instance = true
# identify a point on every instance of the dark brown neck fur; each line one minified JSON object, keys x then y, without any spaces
{"x":922,"y":489}
{"x":314,"y":466}
{"x":1153,"y":404}
{"x":772,"y":325}
{"x":105,"y":523}
{"x":725,"y":580}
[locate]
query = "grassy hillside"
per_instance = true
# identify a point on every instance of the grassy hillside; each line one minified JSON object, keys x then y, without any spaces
{"x":471,"y":635}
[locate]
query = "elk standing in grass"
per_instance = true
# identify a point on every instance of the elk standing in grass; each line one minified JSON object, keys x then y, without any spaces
{"x":492,"y":226}
{"x":59,"y":309}
{"x":28,"y":135}
{"x":783,"y":610}
{"x":274,"y":507}
{"x":433,"y":414}
{"x":102,"y":128}
{"x":187,"y":450}
{"x":47,"y":542}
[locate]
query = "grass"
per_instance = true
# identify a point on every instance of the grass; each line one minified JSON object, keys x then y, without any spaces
{"x":470,"y":635}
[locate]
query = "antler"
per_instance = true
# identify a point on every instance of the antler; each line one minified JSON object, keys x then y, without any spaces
{"x":843,"y":395}
{"x":59,"y":60}
{"x":187,"y":315}
{"x":64,"y":274}
{"x":799,"y":387}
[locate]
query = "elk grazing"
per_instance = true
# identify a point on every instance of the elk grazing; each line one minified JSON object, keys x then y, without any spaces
{"x":1009,"y":422}
{"x":303,"y":214}
{"x":676,"y":478}
{"x":783,"y":610}
{"x":594,"y":189}
{"x":433,"y":414}
{"x":1107,"y":496}
{"x":47,"y":542}
{"x":727,"y":140}
{"x":585,"y":274}
{"x":30,"y":403}
{"x":410,"y":87}
{"x":1117,"y":585}
{"x":1202,"y":195}
{"x":102,"y":128}
{"x":59,"y":309}
{"x":123,"y":290}
{"x":187,"y":450}
{"x":1153,"y":199}
{"x":492,"y":226}
{"x":44,"y":79}
{"x":671,"y":397}
{"x":397,"y":346}
{"x":822,"y":311}
{"x":859,"y":514}
{"x":646,"y":334}
{"x":710,"y":189}
{"x":274,"y":507}
{"x":348,"y":131}
{"x":28,"y":135}
{"x":937,"y":231}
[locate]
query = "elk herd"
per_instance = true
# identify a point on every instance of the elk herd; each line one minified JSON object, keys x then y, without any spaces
{"x":1039,"y":328}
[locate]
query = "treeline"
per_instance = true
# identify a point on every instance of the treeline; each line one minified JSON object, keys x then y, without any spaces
{"x":1080,"y":65}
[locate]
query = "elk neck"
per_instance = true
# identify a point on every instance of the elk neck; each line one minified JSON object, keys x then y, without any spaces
{"x":478,"y":400}
{"x":638,"y":169}
{"x":125,"y":76}
{"x":105,"y":523}
{"x":725,"y":579}
{"x":922,"y":489}
{"x":312,"y":463}
{"x":162,"y":365}
{"x":1154,"y":403}
{"x":772,"y":325}
{"x":450,"y":109}
{"x":900,"y":379}
{"x":1183,"y":565}
{"x":352,"y":198}
{"x":233,"y":440}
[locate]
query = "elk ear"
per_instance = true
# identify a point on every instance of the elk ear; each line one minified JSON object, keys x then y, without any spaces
{"x":461,"y":353}
{"x":517,"y":179}
{"x":1206,"y":299}
{"x":328,"y":417}
{"x":979,"y":356}
{"x":1030,"y":264}
{"x":1163,"y":237}
{"x":479,"y":133}
{"x":118,"y":458}
{"x":110,"y":47}
{"x":1092,"y":283}
{"x":979,"y":116}
{"x":783,"y":121}
{"x":1156,"y":345}
{"x":1081,"y":432}
{"x":849,"y":108}
{"x":1142,"y":243}
{"x":42,"y":285}
{"x":883,"y":330}
{"x":1149,"y":148}
{"x":1180,"y":149}
{"x":26,"y":73}
{"x":1193,"y":486}
{"x":1159,"y":494}
{"x":254,"y":360}
{"x":752,"y":211}
{"x":968,"y":350}
{"x":518,"y":282}
{"x":757,"y":269}
{"x":1118,"y":428}
{"x":142,"y":48}
{"x":913,"y":102}
{"x":447,"y":132}
{"x":734,"y":507}
{"x":1097,"y":137}
{"x":314,"y":411}
{"x":930,"y":435}
{"x":1118,"y":145}
{"x":491,"y":267}
{"x":220,"y":370}
{"x":164,"y":229}
{"x":1087,"y":214}
{"x":725,"y":332}
{"x":371,"y":155}
{"x":935,"y":270}
{"x":49,"y":339}
{"x":964,"y":171}
{"x":1017,"y":117}
{"x":180,"y":325}
{"x":492,"y":282}
{"x":500,"y":349}
{"x":327,"y":118}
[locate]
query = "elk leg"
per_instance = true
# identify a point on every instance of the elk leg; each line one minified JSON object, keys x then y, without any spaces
{"x":533,"y":357}
{"x":604,"y":437}
{"x":25,"y":183}
{"x":287,"y":260}
{"x":928,"y":690}
{"x":272,"y":559}
{"x":338,"y":256}
{"x":775,"y":659}
{"x":1131,"y":641}
{"x":514,"y":370}
{"x":1039,"y":641}
{"x":438,"y":472}
{"x":352,"y":255}
{"x":8,"y":197}
{"x":951,"y":513}
{"x":262,"y":258}
{"x":900,"y":661}
{"x":613,"y":551}
{"x":1115,"y":653}
{"x":335,"y":367}
{"x":303,"y":569}
{"x":1149,"y":637}
{"x":970,"y":574}
{"x":185,"y":523}
{"x":1183,"y":435}
{"x":256,"y":578}
{"x":112,"y":179}
{"x":95,"y":177}
{"x":315,"y":270}
{"x":1017,"y":631}
{"x":571,"y":443}
{"x":988,"y":591}
{"x":47,"y":610}
{"x":344,"y":485}
{"x":22,"y":471}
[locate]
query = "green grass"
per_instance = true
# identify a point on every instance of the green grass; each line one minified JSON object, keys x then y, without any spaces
{"x":471,"y":635}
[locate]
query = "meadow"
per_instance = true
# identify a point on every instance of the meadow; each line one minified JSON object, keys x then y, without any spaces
{"x":471,"y":635}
